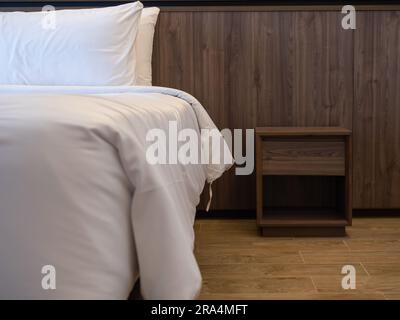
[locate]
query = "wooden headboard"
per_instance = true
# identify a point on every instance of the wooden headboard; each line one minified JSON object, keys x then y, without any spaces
{"x":287,"y":65}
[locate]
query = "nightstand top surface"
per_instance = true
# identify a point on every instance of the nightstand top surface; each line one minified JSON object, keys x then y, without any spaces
{"x":302,"y":131}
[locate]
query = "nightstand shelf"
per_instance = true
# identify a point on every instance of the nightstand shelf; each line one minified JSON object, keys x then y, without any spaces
{"x":303,"y":181}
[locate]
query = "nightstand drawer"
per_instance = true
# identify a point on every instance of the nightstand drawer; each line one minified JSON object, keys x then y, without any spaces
{"x":299,"y":156}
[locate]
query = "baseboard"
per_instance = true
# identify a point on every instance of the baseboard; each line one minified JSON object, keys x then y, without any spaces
{"x":226,"y":214}
{"x":303,"y":231}
{"x":376,"y":213}
{"x":251,"y":214}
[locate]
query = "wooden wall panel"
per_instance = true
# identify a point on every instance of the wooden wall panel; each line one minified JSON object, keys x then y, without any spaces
{"x":274,"y":68}
{"x":259,"y":68}
{"x":223,"y":51}
{"x":173,"y":51}
{"x":376,"y":147}
{"x":323,"y":64}
{"x":304,"y":69}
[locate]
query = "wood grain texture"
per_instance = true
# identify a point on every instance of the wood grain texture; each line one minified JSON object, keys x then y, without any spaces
{"x":260,"y":184}
{"x":306,"y":188}
{"x":376,"y":111}
{"x":223,"y":46}
{"x":323,"y":64}
{"x":303,"y":69}
{"x":305,"y":157}
{"x":348,"y":188}
{"x":302,"y":131}
{"x":174,"y":50}
{"x":255,"y":69}
{"x":294,"y":68}
{"x":317,"y":230}
{"x":236,"y":263}
{"x":273,"y":67}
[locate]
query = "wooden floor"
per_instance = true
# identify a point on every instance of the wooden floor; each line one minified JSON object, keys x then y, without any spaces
{"x":237,"y":263}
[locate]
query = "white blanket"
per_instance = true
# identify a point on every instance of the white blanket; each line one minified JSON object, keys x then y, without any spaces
{"x":77,"y":193}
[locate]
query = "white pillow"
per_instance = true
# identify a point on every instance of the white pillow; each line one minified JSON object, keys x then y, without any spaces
{"x":81,"y":47}
{"x":144,"y":45}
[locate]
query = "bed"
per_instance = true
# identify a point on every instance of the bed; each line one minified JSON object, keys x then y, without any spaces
{"x":77,"y":190}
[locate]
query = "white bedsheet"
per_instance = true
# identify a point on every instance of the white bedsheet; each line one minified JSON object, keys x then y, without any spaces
{"x":77,"y":193}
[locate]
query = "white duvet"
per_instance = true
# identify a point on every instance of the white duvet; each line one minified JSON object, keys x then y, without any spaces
{"x":77,"y":193}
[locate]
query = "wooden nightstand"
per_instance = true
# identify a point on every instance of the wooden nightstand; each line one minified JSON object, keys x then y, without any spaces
{"x":303,"y":181}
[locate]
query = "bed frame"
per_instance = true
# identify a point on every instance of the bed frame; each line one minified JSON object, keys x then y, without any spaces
{"x":288,"y":65}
